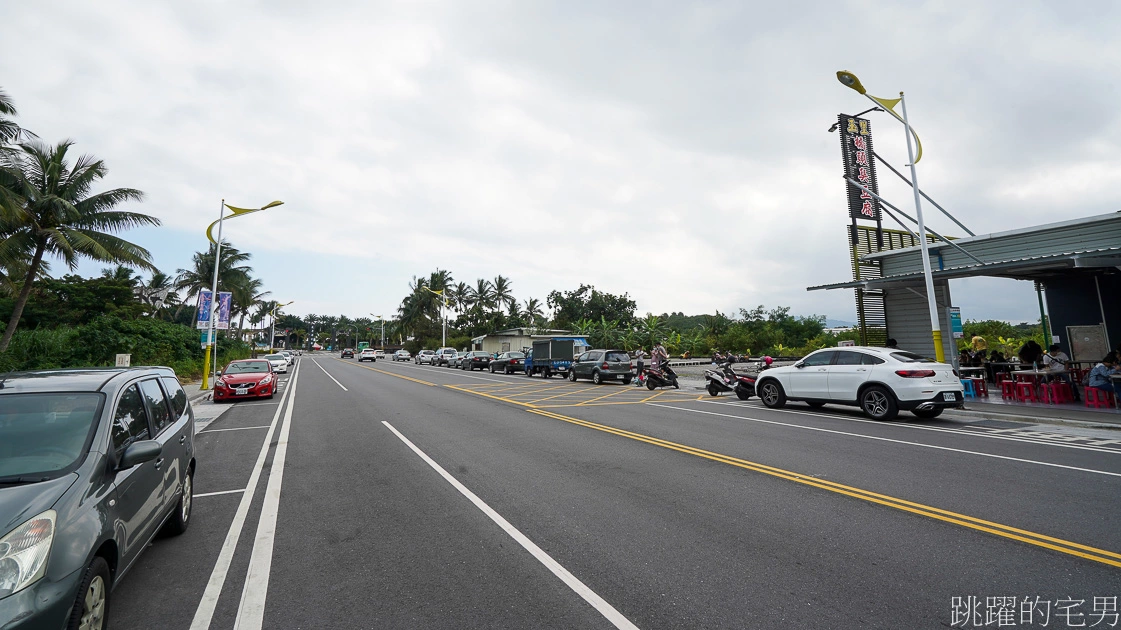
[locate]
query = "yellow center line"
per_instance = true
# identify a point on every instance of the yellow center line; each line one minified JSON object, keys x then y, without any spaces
{"x":1040,"y":540}
{"x":407,"y":378}
{"x":621,"y":391}
{"x":485,"y":395}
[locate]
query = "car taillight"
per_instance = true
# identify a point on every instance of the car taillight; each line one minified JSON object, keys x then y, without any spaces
{"x":915,"y":373}
{"x":605,"y":366}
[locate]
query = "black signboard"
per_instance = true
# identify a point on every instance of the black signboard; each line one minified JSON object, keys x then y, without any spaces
{"x":856,"y":151}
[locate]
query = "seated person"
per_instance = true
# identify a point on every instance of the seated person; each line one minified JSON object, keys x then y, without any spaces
{"x":978,"y":359}
{"x":1098,"y":378}
{"x":1055,"y":362}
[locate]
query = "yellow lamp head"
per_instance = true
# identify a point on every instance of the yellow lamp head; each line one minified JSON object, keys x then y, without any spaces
{"x":849,"y":80}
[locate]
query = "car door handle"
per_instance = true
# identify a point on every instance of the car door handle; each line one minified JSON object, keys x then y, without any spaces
{"x":158,"y":463}
{"x":182,"y":439}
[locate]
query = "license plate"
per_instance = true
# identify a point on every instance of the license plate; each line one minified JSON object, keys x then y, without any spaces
{"x":949,"y":396}
{"x":241,"y":391}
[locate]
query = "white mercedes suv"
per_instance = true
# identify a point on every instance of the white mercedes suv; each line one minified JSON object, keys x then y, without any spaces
{"x":880,"y":381}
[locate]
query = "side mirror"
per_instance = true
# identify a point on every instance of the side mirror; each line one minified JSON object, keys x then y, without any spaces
{"x":138,"y":453}
{"x":799,"y":365}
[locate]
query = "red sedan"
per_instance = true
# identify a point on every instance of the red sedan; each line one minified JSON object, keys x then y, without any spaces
{"x":247,"y":378}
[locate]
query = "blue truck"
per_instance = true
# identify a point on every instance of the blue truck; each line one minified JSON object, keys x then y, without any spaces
{"x":553,"y":356}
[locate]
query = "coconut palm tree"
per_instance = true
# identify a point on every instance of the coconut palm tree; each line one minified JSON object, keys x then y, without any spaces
{"x":246,"y":294}
{"x":199,"y":276}
{"x":502,"y":293}
{"x":533,"y":312}
{"x":54,"y":214}
{"x":9,"y":131}
{"x":481,"y":295}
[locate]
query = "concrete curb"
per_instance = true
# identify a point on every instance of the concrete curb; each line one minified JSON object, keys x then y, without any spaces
{"x":1014,"y":417}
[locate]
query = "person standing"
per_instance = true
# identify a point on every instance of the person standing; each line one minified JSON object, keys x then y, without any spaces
{"x":640,"y":356}
{"x":657,"y":356}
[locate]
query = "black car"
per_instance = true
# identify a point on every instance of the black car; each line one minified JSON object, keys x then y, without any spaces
{"x":602,"y":365}
{"x":93,"y":463}
{"x":508,"y":362}
{"x":476,"y":359}
{"x":348,"y":353}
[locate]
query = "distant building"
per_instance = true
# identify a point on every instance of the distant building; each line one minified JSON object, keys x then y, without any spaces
{"x":519,"y":338}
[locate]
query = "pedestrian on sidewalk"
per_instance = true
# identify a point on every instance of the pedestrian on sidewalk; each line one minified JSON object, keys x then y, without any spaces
{"x":640,"y":357}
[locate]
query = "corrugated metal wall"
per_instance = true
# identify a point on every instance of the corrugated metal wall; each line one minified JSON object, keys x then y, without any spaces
{"x":908,"y":320}
{"x":1093,"y":233}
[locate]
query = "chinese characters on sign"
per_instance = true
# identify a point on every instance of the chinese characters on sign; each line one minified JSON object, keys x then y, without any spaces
{"x":204,"y":308}
{"x":856,"y":151}
{"x":1033,"y":612}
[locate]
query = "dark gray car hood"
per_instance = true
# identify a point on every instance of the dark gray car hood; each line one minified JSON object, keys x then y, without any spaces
{"x":19,"y":503}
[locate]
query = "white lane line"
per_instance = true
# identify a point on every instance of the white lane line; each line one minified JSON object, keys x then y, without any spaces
{"x":329,"y":375}
{"x":251,"y":609}
{"x":971,"y":432}
{"x":204,"y":614}
{"x":884,"y":439}
{"x":214,"y":494}
{"x":597,"y":602}
{"x":233,"y":429}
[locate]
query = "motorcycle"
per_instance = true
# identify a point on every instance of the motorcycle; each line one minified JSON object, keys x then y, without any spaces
{"x":728,"y":380}
{"x":661,"y":377}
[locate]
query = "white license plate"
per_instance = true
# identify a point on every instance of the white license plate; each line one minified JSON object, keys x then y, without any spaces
{"x":949,"y":396}
{"x":241,"y":391}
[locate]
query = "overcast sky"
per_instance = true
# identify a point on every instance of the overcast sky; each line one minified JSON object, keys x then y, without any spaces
{"x":674,"y":151}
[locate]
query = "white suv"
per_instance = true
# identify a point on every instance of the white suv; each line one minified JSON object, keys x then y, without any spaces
{"x":444,"y":356}
{"x":880,"y":381}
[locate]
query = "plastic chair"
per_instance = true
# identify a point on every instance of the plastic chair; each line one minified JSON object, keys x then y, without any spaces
{"x":1098,"y":398}
{"x":1056,"y":392}
{"x":967,"y":385}
{"x":1000,"y":377}
{"x":1008,"y":390}
{"x":1025,"y":391}
{"x":979,"y":386}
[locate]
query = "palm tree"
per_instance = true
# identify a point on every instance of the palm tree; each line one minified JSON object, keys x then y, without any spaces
{"x":120,"y":273}
{"x":56,"y":215}
{"x":482,"y":294}
{"x":247,"y":294}
{"x":156,"y":292}
{"x":502,"y":292}
{"x":533,"y":312}
{"x":9,"y":130}
{"x":199,"y":276}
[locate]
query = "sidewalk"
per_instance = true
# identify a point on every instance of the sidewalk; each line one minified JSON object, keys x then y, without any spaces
{"x":195,"y":391}
{"x":997,"y":408}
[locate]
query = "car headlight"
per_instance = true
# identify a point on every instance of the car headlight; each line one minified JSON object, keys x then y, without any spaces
{"x":24,"y":553}
{"x":266,"y":380}
{"x":220,"y":382}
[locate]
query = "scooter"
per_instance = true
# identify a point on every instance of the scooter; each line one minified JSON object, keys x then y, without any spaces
{"x":662,"y":377}
{"x":727,"y":380}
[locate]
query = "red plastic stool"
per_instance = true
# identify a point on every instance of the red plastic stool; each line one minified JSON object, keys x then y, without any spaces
{"x":1008,"y":390}
{"x":979,"y":386}
{"x":1056,"y":392}
{"x":1025,"y":391}
{"x":1098,"y":398}
{"x":1000,"y":377}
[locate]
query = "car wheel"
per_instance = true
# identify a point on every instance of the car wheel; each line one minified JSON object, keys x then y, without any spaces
{"x":712,"y":389}
{"x":878,"y":403}
{"x":548,"y":373}
{"x":91,"y":606}
{"x":572,"y":375}
{"x":626,"y":380}
{"x":596,"y":378}
{"x":507,"y":371}
{"x":181,"y":518}
{"x":742,"y":395}
{"x":816,"y":405}
{"x":650,"y":384}
{"x":772,"y":395}
{"x":927,"y":414}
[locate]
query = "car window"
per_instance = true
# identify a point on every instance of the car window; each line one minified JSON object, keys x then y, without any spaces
{"x":819,"y":358}
{"x":157,"y":404}
{"x":868,"y":359}
{"x":130,"y":419}
{"x":247,"y":367}
{"x":45,"y":433}
{"x":848,"y":357}
{"x":176,"y":395}
{"x":618,"y":356}
{"x":594,"y":357}
{"x":515,"y":355}
{"x":274,"y":357}
{"x":910,"y":357}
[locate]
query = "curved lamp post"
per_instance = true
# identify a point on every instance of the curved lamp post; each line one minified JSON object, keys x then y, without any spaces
{"x":214,"y":285}
{"x":850,"y":80}
{"x":382,"y":319}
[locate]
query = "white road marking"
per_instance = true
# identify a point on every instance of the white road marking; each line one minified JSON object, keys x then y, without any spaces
{"x":251,"y":609}
{"x":329,"y":375}
{"x":995,"y":434}
{"x":883,"y":439}
{"x":205,"y":611}
{"x":214,"y":494}
{"x":234,"y":429}
{"x":581,"y":589}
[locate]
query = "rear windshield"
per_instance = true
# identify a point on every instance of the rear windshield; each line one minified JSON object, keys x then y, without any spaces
{"x":41,"y":434}
{"x":275,"y":357}
{"x":618,"y":356}
{"x":910,"y":357}
{"x":517,"y":355}
{"x":249,"y":367}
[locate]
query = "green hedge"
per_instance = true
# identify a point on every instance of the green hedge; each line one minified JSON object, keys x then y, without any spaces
{"x":149,"y":341}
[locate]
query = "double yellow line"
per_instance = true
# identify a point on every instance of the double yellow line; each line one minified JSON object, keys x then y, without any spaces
{"x":1005,"y":531}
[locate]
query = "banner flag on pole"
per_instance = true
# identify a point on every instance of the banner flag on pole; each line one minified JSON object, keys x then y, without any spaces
{"x":224,"y":303}
{"x":204,"y":308}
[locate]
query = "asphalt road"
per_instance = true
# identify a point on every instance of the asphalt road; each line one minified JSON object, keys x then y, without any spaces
{"x":391,"y":495}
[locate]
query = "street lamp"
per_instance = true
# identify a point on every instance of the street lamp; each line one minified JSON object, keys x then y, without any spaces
{"x":850,"y":80}
{"x":382,"y":329}
{"x":214,"y":285}
{"x":443,"y":315}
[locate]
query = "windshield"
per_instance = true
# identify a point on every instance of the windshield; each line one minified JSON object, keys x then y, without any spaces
{"x":517,"y":355}
{"x":275,"y":357}
{"x":910,"y":357}
{"x":41,"y":434}
{"x":249,"y":367}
